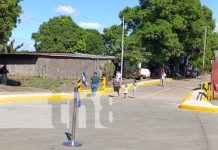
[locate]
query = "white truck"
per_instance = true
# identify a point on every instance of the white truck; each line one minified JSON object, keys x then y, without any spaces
{"x":143,"y":73}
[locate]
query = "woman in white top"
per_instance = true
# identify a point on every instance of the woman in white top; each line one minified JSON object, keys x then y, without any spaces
{"x":163,"y":76}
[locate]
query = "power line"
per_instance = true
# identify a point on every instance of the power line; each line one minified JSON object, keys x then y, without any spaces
{"x":30,"y":18}
{"x":58,"y":2}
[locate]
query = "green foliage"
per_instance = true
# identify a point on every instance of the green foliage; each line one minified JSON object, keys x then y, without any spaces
{"x":60,"y":34}
{"x":134,"y":51}
{"x":10,"y":10}
{"x":108,"y":70}
{"x":112,"y":39}
{"x":170,"y":29}
{"x":94,"y":42}
{"x":23,"y":51}
{"x":10,"y":47}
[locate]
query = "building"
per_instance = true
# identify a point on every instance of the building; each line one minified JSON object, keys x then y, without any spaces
{"x":53,"y":65}
{"x":214,"y":69}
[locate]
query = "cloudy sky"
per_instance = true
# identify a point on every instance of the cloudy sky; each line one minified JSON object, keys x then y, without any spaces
{"x":95,"y":14}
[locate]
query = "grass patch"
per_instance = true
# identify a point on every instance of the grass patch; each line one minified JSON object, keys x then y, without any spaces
{"x":36,"y":82}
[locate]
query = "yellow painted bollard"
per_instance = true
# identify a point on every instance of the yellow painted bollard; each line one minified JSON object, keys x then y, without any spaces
{"x":104,"y":83}
{"x":209,"y":92}
{"x":79,"y":84}
{"x":205,"y":85}
{"x":205,"y":88}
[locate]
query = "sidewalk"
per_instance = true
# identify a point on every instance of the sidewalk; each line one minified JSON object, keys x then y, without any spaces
{"x":30,"y":96}
{"x":190,"y":102}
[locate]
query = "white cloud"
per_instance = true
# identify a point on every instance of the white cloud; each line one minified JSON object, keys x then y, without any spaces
{"x":66,"y":10}
{"x":216,"y":29}
{"x":91,"y":25}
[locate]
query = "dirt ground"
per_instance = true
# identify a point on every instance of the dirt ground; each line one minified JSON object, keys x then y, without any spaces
{"x":20,"y":89}
{"x":63,"y":88}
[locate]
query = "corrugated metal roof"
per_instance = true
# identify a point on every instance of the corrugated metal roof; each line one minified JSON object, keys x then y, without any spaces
{"x":69,"y":55}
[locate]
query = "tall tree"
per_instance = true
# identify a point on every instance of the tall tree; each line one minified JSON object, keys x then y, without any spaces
{"x":170,"y":28}
{"x":94,"y":42}
{"x":112,"y":39}
{"x":133,"y":50}
{"x":60,"y":34}
{"x":10,"y":11}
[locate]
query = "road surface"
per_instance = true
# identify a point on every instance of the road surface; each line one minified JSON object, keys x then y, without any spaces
{"x":150,"y":121}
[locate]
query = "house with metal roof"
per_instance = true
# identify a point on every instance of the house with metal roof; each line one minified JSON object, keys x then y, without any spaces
{"x":53,"y":65}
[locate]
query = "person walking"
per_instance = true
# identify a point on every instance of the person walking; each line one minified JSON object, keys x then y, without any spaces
{"x":118,"y":75}
{"x":4,"y":71}
{"x":126,"y":91}
{"x":94,"y":84}
{"x":163,"y":76}
{"x":116,"y":85}
{"x":134,"y":87}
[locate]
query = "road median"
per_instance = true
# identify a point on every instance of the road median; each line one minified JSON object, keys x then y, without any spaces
{"x":192,"y":101}
{"x":37,"y":96}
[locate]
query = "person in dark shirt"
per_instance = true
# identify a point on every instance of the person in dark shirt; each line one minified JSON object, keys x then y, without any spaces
{"x":116,"y":85}
{"x":4,"y":72}
{"x":94,"y":84}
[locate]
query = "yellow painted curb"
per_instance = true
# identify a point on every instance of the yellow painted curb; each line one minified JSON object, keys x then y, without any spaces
{"x":35,"y":98}
{"x":196,"y":108}
{"x":62,"y":96}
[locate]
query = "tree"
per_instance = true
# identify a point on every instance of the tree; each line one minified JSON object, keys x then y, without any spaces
{"x":94,"y":42}
{"x":133,"y":51}
{"x":10,"y":47}
{"x":112,"y":39}
{"x":60,"y":34}
{"x":170,"y":29}
{"x":10,"y":11}
{"x":108,"y":70}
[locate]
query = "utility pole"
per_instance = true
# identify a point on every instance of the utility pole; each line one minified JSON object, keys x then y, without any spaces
{"x":122,"y":50}
{"x":205,"y":42}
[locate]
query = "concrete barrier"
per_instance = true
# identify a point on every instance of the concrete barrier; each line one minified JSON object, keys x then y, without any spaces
{"x":190,"y":102}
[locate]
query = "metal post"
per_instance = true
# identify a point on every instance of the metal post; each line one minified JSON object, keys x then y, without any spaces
{"x":205,"y":42}
{"x":71,"y":136}
{"x":121,"y":71}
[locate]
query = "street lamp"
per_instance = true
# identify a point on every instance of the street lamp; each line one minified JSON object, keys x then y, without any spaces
{"x":122,"y":50}
{"x":205,"y":42}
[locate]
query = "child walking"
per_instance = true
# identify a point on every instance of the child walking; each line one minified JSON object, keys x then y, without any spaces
{"x":134,"y":87}
{"x":125,"y":91}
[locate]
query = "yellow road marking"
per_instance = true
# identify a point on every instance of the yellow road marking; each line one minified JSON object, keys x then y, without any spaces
{"x":155,"y":93}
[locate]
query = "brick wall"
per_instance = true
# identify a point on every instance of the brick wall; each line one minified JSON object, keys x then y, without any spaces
{"x":51,"y":67}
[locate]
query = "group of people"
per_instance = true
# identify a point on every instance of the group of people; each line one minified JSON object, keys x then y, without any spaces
{"x":116,"y":85}
{"x":4,"y":71}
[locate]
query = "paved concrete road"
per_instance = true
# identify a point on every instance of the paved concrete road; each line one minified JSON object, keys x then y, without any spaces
{"x":151,"y":121}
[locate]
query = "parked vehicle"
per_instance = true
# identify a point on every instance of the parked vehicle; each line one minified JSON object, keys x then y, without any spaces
{"x":142,"y":73}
